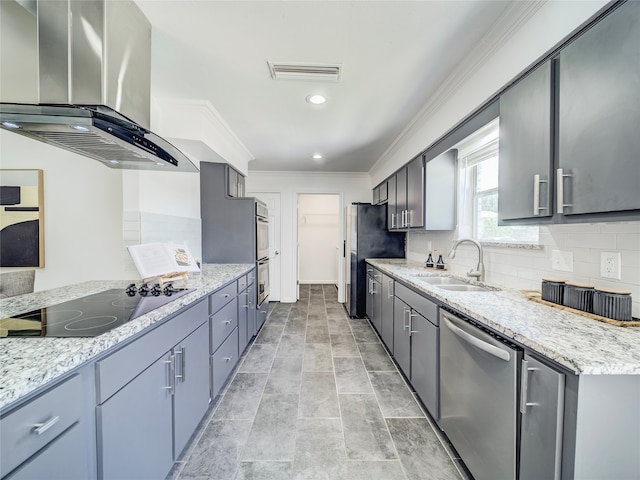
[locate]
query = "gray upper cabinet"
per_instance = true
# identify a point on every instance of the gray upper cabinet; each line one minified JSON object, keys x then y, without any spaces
{"x":599,"y":117}
{"x":440,"y":192}
{"x":380,"y":194}
{"x":415,"y":193}
{"x":392,"y":204}
{"x":401,"y":199}
{"x":235,"y":183}
{"x":526,"y":176}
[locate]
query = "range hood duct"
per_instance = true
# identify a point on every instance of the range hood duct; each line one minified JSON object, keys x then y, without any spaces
{"x":94,"y":63}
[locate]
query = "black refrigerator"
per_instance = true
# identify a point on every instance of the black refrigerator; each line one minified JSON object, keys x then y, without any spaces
{"x":366,"y":237}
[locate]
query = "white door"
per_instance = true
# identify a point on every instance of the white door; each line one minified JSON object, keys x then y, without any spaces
{"x":273,"y":204}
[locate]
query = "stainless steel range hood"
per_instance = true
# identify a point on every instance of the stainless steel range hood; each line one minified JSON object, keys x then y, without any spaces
{"x":94,"y":69}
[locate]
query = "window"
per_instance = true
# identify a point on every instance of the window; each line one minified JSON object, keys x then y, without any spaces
{"x":478,"y":161}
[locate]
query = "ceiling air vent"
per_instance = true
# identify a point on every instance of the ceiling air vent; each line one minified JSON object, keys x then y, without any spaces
{"x":305,"y":71}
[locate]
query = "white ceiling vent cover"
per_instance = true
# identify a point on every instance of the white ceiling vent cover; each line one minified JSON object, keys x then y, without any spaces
{"x":305,"y":71}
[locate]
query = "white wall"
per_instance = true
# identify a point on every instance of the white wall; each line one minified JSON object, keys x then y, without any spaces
{"x":524,"y":269}
{"x":82,"y":212}
{"x":320,"y":244}
{"x":352,"y":187}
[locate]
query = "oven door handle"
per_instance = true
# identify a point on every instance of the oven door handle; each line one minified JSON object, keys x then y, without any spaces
{"x":476,"y":342}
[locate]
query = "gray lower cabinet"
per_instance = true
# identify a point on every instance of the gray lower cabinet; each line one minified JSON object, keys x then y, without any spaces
{"x":51,"y":436}
{"x":386,"y":321}
{"x":542,"y":411}
{"x":151,"y":394}
{"x":401,"y":336}
{"x":191,"y":399}
{"x":135,"y":426}
{"x":599,"y":118}
{"x":416,"y":344}
{"x":374,"y":299}
{"x":229,"y":334}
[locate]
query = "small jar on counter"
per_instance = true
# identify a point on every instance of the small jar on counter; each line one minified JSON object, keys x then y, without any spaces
{"x":578,"y":296}
{"x":553,"y":290}
{"x":615,"y":304}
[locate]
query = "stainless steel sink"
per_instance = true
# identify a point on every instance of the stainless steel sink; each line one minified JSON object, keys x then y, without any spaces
{"x":466,"y":288}
{"x":441,"y":280}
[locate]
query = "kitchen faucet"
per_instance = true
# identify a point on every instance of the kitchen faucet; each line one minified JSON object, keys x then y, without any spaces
{"x":478,"y":273}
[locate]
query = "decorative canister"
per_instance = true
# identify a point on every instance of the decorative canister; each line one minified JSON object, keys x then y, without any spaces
{"x":578,"y":296}
{"x":553,"y":290}
{"x":614,"y":304}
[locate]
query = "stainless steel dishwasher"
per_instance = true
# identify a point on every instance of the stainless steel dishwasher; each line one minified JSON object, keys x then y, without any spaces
{"x":478,"y":397}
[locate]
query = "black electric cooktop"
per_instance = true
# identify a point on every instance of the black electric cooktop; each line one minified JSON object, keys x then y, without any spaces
{"x":92,"y":315}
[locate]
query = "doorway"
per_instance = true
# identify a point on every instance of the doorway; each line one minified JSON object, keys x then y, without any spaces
{"x":319,"y":244}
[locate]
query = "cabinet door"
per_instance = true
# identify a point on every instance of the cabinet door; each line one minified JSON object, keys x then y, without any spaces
{"x":383,"y":192}
{"x":525,"y":176}
{"x":377,"y":302}
{"x":392,"y":214}
{"x":541,"y":406}
{"x":251,"y":312}
{"x":243,"y":321}
{"x":232,"y":182}
{"x":599,"y":116}
{"x":440,"y":192}
{"x":415,"y":193}
{"x":386,"y":329}
{"x":401,"y":198}
{"x":376,"y":196}
{"x":401,"y":338}
{"x":191,"y":399}
{"x":369,"y":298}
{"x":424,"y":362}
{"x":135,"y":427}
{"x":241,"y":185}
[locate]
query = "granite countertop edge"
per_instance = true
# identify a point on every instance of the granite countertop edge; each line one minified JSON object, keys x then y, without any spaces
{"x":580,"y":344}
{"x":27,"y":364}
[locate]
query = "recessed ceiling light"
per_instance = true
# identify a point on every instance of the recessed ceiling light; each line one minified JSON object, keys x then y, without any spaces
{"x":316,"y":99}
{"x":10,"y":125}
{"x":114,"y":161}
{"x":317,"y":156}
{"x":80,"y":128}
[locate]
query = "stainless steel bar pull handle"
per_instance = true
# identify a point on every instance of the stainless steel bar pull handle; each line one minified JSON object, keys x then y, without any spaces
{"x":560,"y":176}
{"x":181,"y":352}
{"x":172,"y":374}
{"x":40,"y":428}
{"x":536,"y":195}
{"x":411,"y":330}
{"x":524,"y":387}
{"x":393,"y":220}
{"x":404,"y":318}
{"x":390,"y":285}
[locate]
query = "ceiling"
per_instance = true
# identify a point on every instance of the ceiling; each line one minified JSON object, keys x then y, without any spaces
{"x":394,"y":55}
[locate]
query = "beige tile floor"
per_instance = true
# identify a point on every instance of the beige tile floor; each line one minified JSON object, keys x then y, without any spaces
{"x":316,"y":396}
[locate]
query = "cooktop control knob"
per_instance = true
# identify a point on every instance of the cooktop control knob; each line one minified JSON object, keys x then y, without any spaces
{"x":131,"y":290}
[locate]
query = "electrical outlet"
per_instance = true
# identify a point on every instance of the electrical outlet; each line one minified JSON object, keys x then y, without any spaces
{"x":562,"y":260}
{"x":610,"y":265}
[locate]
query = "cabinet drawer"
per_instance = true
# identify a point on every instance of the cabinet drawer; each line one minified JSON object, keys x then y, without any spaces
{"x":20,"y":437}
{"x":223,"y":361}
{"x":63,"y":459}
{"x":137,"y":356}
{"x":420,"y":304}
{"x":220,"y":297}
{"x":223,"y":323}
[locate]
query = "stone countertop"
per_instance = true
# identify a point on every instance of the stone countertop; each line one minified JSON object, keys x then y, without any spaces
{"x":583,"y":345}
{"x":28,"y":363}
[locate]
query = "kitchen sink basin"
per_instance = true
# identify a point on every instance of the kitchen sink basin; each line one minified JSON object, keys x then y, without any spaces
{"x":441,"y":281}
{"x":466,"y":288}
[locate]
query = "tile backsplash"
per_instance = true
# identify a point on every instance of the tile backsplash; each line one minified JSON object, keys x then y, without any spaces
{"x":524,"y":268}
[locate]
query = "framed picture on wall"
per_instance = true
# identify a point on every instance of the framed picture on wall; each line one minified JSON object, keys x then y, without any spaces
{"x":21,"y":218}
